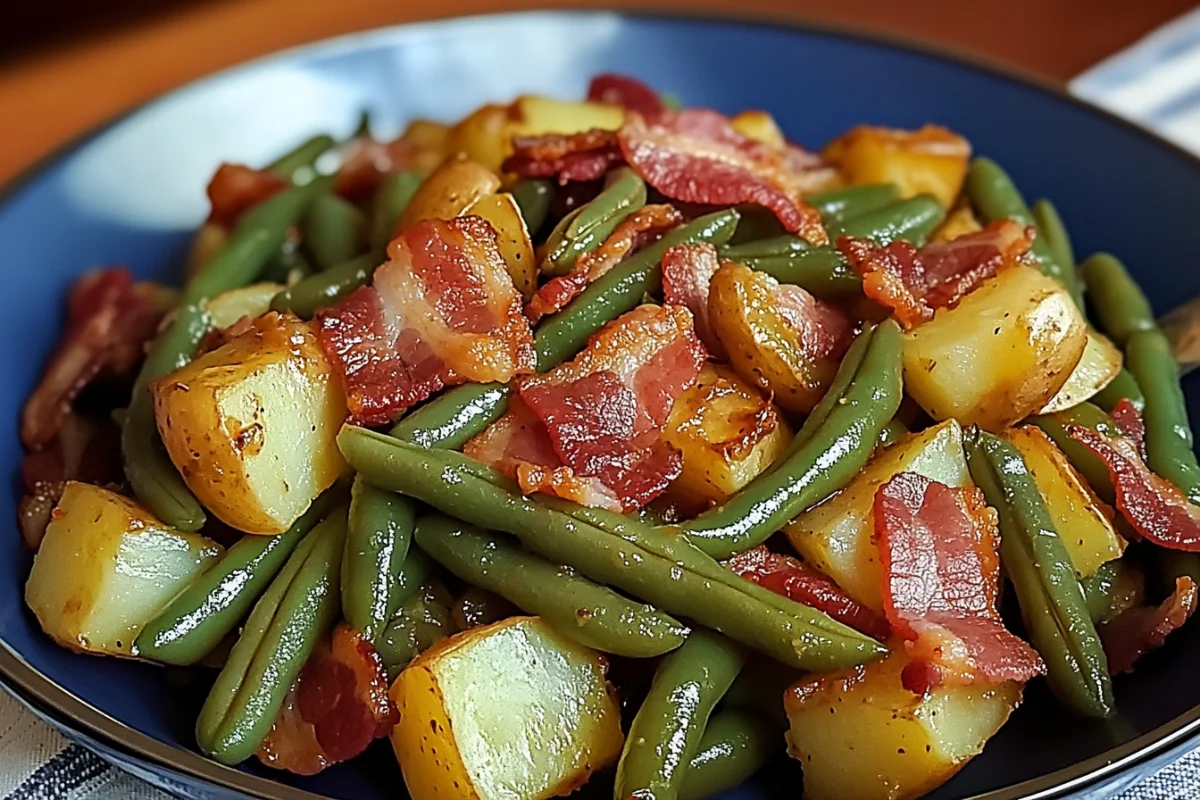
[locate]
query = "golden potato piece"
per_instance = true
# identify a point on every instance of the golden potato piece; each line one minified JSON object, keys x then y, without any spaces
{"x":449,"y":190}
{"x":512,"y":236}
{"x":931,"y":160}
{"x":1100,"y":363}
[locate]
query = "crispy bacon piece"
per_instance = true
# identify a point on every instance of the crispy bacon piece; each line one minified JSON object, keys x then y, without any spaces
{"x":1129,"y":422}
{"x":1136,"y":631}
{"x":589,"y":430}
{"x":110,"y":320}
{"x":582,"y":156}
{"x":338,"y":705}
{"x":913,"y":284}
{"x":441,"y":311}
{"x":627,"y":92}
{"x":642,"y":227}
{"x":687,"y":271}
{"x":236,"y":187}
{"x":803,"y":583}
{"x":696,"y":156}
{"x":941,"y":580}
{"x":1155,"y":508}
{"x":366,"y":162}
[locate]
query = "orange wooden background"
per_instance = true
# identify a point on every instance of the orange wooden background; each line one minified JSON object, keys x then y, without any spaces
{"x":85,"y":67}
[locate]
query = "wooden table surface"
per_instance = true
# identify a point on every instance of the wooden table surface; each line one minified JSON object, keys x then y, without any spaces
{"x":82,"y":68}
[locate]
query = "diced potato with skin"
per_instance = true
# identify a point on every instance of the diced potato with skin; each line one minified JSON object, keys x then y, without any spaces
{"x":248,"y":301}
{"x":1100,"y":363}
{"x":532,"y":115}
{"x":504,"y":215}
{"x":252,"y":425}
{"x":958,"y":222}
{"x":1000,"y":354}
{"x":429,"y":142}
{"x":837,"y":536}
{"x":762,"y":347}
{"x":931,"y":160}
{"x":449,"y":190}
{"x":1079,"y":516}
{"x":106,"y":567}
{"x":860,"y":735}
{"x":510,"y":710}
{"x":480,"y":136}
{"x":760,"y":126}
{"x":728,"y":433}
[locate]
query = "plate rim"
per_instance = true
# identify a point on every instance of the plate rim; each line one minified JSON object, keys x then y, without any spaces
{"x":32,"y":686}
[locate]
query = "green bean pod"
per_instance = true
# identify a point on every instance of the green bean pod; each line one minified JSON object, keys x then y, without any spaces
{"x":1116,"y":298}
{"x":821,"y":271}
{"x":197,"y":620}
{"x":1089,"y":465}
{"x":287,"y":266}
{"x":423,"y":620}
{"x":1122,"y":387}
{"x":533,"y":197}
{"x":662,"y":570}
{"x":334,"y":230}
{"x":391,"y":198}
{"x":464,"y":411}
{"x":853,"y":201}
{"x":995,"y":196}
{"x":416,"y":570}
{"x":593,"y":615}
{"x":378,"y":535}
{"x":824,"y":460}
{"x":735,"y":745}
{"x":665,"y":735}
{"x":326,"y":288}
{"x":151,"y":474}
{"x":585,"y":228}
{"x":1052,"y":603}
{"x":300,"y":606}
{"x":1051,"y":228}
{"x":893,"y":432}
{"x":772,"y":247}
{"x":911,"y":220}
{"x":302,"y":157}
{"x":1098,"y":591}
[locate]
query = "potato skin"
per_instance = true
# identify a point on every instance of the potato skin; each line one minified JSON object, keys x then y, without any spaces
{"x":930,"y":160}
{"x":252,"y":425}
{"x":449,"y":190}
{"x":762,"y":347}
{"x":512,"y":238}
{"x":999,"y":355}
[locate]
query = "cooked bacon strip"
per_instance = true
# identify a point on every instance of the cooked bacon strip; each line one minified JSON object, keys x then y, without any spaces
{"x":1136,"y":631}
{"x":236,"y":187}
{"x":582,"y":156}
{"x":441,"y":311}
{"x":337,"y":707}
{"x":641,"y":228}
{"x":1129,"y":422}
{"x":589,"y":430}
{"x":803,"y":583}
{"x":696,"y":156}
{"x":687,"y":271}
{"x":941,"y":580}
{"x":110,"y":320}
{"x":1155,"y":508}
{"x":627,"y":92}
{"x":915,"y":283}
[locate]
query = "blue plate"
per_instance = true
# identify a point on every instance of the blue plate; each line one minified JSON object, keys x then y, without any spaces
{"x":133,"y":192}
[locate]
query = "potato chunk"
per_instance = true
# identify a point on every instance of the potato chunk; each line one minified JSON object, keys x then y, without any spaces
{"x":931,"y":160}
{"x":449,"y":190}
{"x":106,"y":567}
{"x":860,"y":734}
{"x":248,"y":301}
{"x":510,"y":710}
{"x":512,"y":238}
{"x":836,"y":537}
{"x":728,"y":434}
{"x":252,"y":425}
{"x":999,"y":355}
{"x":1099,"y":364}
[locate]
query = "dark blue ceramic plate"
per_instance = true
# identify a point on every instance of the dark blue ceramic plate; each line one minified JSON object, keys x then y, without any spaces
{"x":133,"y":193}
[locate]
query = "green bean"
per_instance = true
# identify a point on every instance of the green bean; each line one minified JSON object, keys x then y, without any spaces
{"x":287,"y":266}
{"x":303,"y":156}
{"x":1119,"y":585}
{"x":391,"y":198}
{"x":334,"y":230}
{"x":821,"y":271}
{"x":911,"y":220}
{"x":825,"y":461}
{"x":533,"y":197}
{"x":1122,"y":387}
{"x":995,"y":196}
{"x":592,"y":614}
{"x":259,"y":235}
{"x":773,"y":247}
{"x":853,"y":201}
{"x":585,"y":228}
{"x":197,"y":620}
{"x":416,"y":570}
{"x":735,"y":745}
{"x":477,"y":607}
{"x":1116,"y":298}
{"x":154,"y":479}
{"x":1036,"y":561}
{"x":608,"y":548}
{"x":299,"y":607}
{"x":457,"y":415}
{"x":423,"y":620}
{"x":665,"y":735}
{"x":1051,"y":228}
{"x":1089,"y":465}
{"x":378,"y":535}
{"x":326,"y":288}
{"x":842,"y":380}
{"x":1098,"y":591}
{"x":893,"y":432}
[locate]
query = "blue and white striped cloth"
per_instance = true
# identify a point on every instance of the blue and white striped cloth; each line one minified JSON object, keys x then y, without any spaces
{"x":1156,"y":82}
